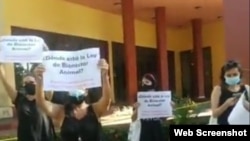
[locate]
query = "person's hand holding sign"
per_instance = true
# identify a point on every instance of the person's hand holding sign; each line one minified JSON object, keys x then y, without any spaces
{"x":103,"y":65}
{"x":172,"y":104}
{"x":38,"y":71}
{"x":135,"y":111}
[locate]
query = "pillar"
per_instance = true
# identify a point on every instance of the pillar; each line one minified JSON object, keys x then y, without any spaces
{"x":198,"y":58}
{"x":6,"y":107}
{"x":8,"y":69}
{"x":160,"y":22}
{"x":129,"y":48}
{"x":236,"y":23}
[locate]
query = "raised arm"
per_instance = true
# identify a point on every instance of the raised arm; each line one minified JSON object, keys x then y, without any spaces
{"x":103,"y":103}
{"x":10,"y":90}
{"x":49,"y":108}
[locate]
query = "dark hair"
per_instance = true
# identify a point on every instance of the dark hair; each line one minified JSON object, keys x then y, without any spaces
{"x":231,"y":64}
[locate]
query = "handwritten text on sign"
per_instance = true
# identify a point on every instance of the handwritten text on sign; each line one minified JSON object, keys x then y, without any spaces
{"x":70,"y":70}
{"x":21,"y":49}
{"x":154,"y":104}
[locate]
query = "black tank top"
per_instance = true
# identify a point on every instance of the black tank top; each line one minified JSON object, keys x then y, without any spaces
{"x":85,"y":129}
{"x":33,"y":124}
{"x":225,"y":94}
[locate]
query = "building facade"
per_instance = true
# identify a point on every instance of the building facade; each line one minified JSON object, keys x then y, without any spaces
{"x":187,"y":59}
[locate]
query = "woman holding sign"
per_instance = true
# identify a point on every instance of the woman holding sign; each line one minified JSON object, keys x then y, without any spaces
{"x":80,"y":121}
{"x":226,"y":95}
{"x":151,"y":129}
{"x":33,"y":124}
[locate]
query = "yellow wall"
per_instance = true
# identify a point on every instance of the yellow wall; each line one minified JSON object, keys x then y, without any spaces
{"x":213,"y":36}
{"x":4,"y":100}
{"x":68,"y":18}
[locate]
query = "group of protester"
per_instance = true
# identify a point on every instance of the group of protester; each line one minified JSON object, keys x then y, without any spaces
{"x":36,"y":112}
{"x":79,"y":121}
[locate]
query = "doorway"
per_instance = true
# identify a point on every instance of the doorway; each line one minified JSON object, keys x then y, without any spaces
{"x":119,"y":73}
{"x":147,"y":63}
{"x":188,"y":73}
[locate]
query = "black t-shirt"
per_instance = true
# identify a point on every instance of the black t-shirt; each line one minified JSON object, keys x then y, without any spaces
{"x":33,"y":124}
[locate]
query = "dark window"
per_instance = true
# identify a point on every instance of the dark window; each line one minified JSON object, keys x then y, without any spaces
{"x":189,"y":76}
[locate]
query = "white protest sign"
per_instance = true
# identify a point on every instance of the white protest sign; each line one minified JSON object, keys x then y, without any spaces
{"x":71,"y":70}
{"x":239,"y":115}
{"x":21,"y":49}
{"x":154,"y":104}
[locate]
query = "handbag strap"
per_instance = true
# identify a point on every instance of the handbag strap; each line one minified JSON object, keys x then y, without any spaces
{"x":246,"y":93}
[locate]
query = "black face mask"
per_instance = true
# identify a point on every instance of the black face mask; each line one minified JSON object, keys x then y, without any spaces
{"x":76,"y":100}
{"x":147,"y":87}
{"x":30,"y":88}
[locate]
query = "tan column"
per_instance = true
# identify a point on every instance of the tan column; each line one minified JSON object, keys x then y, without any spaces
{"x":8,"y":69}
{"x":10,"y":77}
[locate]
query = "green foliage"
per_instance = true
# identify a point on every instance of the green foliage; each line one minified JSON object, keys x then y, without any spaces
{"x":113,"y":134}
{"x":19,"y":73}
{"x":187,"y":111}
{"x":116,"y":134}
{"x":184,"y":111}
